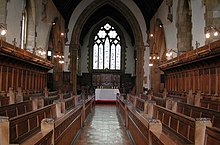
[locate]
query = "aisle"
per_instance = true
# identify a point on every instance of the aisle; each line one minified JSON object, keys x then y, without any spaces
{"x":104,"y":128}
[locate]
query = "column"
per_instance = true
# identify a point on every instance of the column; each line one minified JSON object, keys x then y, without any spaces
{"x":73,"y":62}
{"x":1,"y":67}
{"x":139,"y":69}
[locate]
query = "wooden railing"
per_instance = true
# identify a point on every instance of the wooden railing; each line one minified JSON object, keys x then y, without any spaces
{"x":25,"y":125}
{"x":16,"y":109}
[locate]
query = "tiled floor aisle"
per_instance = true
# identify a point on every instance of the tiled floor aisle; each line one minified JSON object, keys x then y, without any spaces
{"x":104,"y":128}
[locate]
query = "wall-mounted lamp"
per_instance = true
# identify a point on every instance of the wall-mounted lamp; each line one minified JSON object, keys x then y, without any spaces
{"x":3,"y":29}
{"x":212,"y":31}
{"x":169,"y":53}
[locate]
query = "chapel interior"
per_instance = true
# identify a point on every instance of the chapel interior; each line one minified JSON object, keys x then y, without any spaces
{"x":109,"y":72}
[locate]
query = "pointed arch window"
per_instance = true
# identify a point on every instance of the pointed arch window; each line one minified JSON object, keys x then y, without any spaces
{"x":107,"y":49}
{"x":24,"y":29}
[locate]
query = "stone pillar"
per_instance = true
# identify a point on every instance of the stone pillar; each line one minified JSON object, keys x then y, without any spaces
{"x":47,"y":125}
{"x":11,"y":96}
{"x":139,"y":70}
{"x":74,"y":69}
{"x":4,"y":130}
{"x":200,"y":127}
{"x":212,"y":18}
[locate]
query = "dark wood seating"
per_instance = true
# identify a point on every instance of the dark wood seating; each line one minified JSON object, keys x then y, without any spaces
{"x":199,"y":112}
{"x":212,"y":136}
{"x":66,"y":95}
{"x":67,"y":127}
{"x":181,"y":125}
{"x":210,"y":104}
{"x":68,"y":104}
{"x":4,"y":100}
{"x":16,"y":109}
{"x":142,"y":129}
{"x":52,"y":96}
{"x":25,"y":125}
{"x":140,"y":104}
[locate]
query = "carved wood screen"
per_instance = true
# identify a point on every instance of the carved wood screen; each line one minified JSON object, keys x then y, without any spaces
{"x":106,"y":80}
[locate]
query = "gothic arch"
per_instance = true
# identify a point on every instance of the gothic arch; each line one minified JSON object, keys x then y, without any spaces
{"x":75,"y":38}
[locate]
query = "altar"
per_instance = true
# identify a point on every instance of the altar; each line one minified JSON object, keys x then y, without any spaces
{"x":106,"y":94}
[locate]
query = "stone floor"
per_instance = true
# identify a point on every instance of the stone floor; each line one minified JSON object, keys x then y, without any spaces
{"x":103,"y":128}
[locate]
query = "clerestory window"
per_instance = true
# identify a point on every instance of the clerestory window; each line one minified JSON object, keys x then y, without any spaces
{"x":107,"y":49}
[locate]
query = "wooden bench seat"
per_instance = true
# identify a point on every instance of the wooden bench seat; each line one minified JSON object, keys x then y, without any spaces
{"x":40,"y":138}
{"x":212,"y":136}
{"x":142,"y":129}
{"x":16,"y":109}
{"x":25,"y":125}
{"x":4,"y":100}
{"x":189,"y":129}
{"x":199,"y":112}
{"x":210,"y":104}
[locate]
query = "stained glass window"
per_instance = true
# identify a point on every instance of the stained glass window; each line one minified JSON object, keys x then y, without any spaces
{"x":107,"y":49}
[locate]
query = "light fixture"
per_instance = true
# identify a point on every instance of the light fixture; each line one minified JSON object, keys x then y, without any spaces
{"x":153,"y":58}
{"x":3,"y":29}
{"x":212,"y":31}
{"x":169,"y":53}
{"x":151,"y":35}
{"x":62,"y":34}
{"x":49,"y":53}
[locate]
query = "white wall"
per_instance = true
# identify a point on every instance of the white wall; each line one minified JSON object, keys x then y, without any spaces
{"x":13,"y":20}
{"x":14,"y":17}
{"x":198,"y":23}
{"x":170,"y":29}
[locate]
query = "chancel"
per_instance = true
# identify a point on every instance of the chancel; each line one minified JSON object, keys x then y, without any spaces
{"x":109,"y":72}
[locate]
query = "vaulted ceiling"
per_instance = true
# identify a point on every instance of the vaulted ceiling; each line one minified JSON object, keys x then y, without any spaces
{"x":147,"y":7}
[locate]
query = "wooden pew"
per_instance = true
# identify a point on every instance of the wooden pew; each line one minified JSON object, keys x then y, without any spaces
{"x":67,"y":127}
{"x":51,"y":97}
{"x":4,"y":100}
{"x":25,"y":125}
{"x":210,"y":104}
{"x":142,"y":129}
{"x":212,"y":136}
{"x":190,"y":130}
{"x":199,"y":112}
{"x":16,"y":109}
